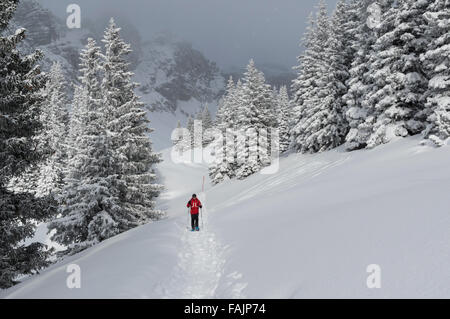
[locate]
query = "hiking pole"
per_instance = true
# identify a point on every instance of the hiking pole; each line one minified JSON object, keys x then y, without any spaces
{"x":201,"y":215}
{"x":188,"y":218}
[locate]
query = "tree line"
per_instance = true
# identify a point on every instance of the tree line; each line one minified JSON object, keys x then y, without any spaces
{"x":371,"y":71}
{"x":83,"y":165}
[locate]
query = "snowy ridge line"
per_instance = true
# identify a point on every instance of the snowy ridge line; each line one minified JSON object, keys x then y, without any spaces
{"x":200,"y":267}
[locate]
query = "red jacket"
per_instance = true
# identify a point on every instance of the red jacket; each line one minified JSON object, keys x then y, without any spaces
{"x":194,"y":204}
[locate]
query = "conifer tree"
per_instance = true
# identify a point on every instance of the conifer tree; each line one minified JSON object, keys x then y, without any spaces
{"x":218,"y":120}
{"x":357,"y":114}
{"x":21,"y":83}
{"x":284,"y":118}
{"x":90,"y":198}
{"x":318,"y":121}
{"x":436,"y":62}
{"x":55,"y":120}
{"x":397,"y":98}
{"x":207,"y":125}
{"x":325,"y":127}
{"x":255,"y":117}
{"x":206,"y":118}
{"x":190,"y":128}
{"x":128,"y":126}
{"x":228,"y":117}
{"x":304,"y":86}
{"x":198,"y":129}
{"x":222,"y":168}
{"x":75,"y":123}
{"x":178,"y":135}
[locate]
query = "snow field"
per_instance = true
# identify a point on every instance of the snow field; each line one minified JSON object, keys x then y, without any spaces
{"x":310,"y":230}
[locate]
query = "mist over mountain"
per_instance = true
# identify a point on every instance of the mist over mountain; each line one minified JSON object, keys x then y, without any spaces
{"x":227,"y":32}
{"x":169,"y":69}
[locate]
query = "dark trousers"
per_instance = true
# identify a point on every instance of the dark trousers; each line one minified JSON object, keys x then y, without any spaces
{"x":194,"y":220}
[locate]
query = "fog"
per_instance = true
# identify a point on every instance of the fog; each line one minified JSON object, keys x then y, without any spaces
{"x":229,"y":32}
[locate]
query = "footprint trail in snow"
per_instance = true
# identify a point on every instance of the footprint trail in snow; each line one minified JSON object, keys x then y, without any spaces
{"x":200,"y":266}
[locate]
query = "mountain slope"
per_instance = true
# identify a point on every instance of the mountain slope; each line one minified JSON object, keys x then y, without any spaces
{"x":175,"y":79}
{"x":310,"y":230}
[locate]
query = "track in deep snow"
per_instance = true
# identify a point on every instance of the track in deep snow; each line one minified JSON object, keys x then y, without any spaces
{"x":200,"y":266}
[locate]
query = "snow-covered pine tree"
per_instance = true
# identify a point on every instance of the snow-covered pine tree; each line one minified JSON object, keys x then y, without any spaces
{"x":340,"y":55}
{"x":270,"y":122}
{"x":325,"y":127}
{"x":229,"y":105}
{"x":347,"y":14}
{"x":302,"y":84}
{"x":254,"y":116}
{"x":219,"y":114}
{"x":75,"y":123}
{"x":46,"y":178}
{"x":220,"y":169}
{"x":381,"y":94}
{"x":254,"y":95}
{"x":245,"y":117}
{"x":259,"y":96}
{"x":181,"y":139}
{"x":357,"y":113}
{"x":20,"y":85}
{"x":55,"y":120}
{"x":241,"y":124}
{"x":397,"y":98}
{"x":305,"y":84}
{"x":85,"y":95}
{"x":198,"y":129}
{"x":198,"y":114}
{"x":436,"y":62}
{"x":207,"y":124}
{"x":239,"y":99}
{"x":128,"y":126}
{"x":233,"y":102}
{"x":206,"y":118}
{"x":284,"y":118}
{"x":320,"y":123}
{"x":276,"y":105}
{"x":89,"y":202}
{"x":190,"y":128}
{"x":178,"y":137}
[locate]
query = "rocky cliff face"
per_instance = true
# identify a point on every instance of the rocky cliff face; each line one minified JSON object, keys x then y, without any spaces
{"x":43,"y":28}
{"x":169,"y":71}
{"x":46,"y":32}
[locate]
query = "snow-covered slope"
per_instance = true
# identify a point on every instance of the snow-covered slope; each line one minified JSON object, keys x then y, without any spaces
{"x":310,"y":230}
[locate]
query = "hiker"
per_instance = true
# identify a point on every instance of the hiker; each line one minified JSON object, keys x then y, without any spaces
{"x":194,"y":203}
